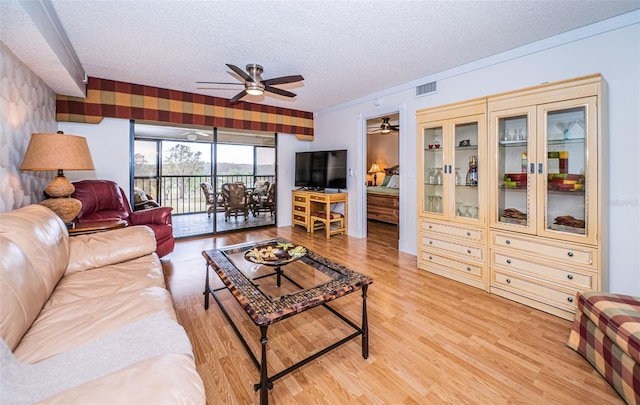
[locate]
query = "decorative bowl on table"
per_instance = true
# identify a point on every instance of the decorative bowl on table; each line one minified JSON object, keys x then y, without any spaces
{"x":275,"y":253}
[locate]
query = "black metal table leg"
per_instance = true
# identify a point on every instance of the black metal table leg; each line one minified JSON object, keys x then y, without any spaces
{"x":206,"y":289}
{"x":365,"y":324}
{"x":264,"y":378}
{"x":278,"y":276}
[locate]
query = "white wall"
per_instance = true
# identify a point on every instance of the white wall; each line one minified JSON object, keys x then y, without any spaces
{"x":109,"y":145}
{"x":615,"y":54}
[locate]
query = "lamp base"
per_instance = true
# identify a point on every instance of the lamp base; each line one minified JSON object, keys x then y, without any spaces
{"x":65,"y":208}
{"x":60,"y":186}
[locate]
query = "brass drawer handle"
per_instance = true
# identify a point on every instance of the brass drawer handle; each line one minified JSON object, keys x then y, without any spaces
{"x":508,"y":261}
{"x":430,"y":226}
{"x":570,"y":276}
{"x":570,"y":299}
{"x":469,"y":251}
{"x":570,"y":254}
{"x":508,"y":242}
{"x":508,"y":281}
{"x":468,"y":268}
{"x":430,"y":258}
{"x":468,"y":233}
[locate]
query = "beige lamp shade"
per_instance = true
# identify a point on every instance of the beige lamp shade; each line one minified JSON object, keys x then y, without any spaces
{"x":375,"y":168}
{"x":58,"y":152}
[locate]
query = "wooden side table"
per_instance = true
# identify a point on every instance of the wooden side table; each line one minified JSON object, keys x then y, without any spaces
{"x":96,"y":226}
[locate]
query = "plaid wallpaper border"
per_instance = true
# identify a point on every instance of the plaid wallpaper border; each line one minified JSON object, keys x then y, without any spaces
{"x":112,"y":99}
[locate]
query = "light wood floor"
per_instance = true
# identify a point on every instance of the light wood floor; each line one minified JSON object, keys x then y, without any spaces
{"x":432,"y":340}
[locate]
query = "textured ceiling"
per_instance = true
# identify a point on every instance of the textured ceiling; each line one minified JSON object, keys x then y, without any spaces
{"x":344,"y":49}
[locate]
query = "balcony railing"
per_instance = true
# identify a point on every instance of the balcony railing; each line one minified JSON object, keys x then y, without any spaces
{"x":184,"y":194}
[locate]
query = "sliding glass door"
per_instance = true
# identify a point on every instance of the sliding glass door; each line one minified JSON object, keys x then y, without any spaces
{"x":189,"y":170}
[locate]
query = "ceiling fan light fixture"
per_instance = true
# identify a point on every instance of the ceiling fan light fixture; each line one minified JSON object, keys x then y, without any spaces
{"x":385,"y":128}
{"x":254,"y":90}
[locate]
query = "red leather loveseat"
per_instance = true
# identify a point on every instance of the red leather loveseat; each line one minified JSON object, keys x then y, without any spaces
{"x":104,"y":199}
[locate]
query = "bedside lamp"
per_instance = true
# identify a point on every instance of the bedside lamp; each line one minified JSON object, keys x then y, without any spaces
{"x":58,"y":152}
{"x":375,"y":169}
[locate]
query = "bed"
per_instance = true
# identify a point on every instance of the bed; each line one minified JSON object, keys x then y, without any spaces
{"x":383,"y":201}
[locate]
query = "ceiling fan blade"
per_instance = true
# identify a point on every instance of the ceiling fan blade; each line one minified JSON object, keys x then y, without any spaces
{"x":240,"y":72}
{"x":219,"y":83}
{"x":283,"y":80}
{"x":279,"y":91}
{"x":238,"y":96}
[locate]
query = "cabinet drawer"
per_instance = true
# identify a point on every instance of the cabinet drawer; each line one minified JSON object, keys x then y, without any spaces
{"x":316,"y":197}
{"x":297,"y":198}
{"x":382,"y":201}
{"x":300,"y":219}
{"x":560,"y":297}
{"x":466,"y":251}
{"x":300,"y":208}
{"x":563,"y":251}
{"x":466,"y":268}
{"x":543,"y":270}
{"x":465,"y":232}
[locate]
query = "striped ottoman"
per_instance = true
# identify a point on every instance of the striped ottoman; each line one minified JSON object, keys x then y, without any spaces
{"x":606,"y":331}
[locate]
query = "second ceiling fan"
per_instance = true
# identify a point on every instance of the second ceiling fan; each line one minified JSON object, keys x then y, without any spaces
{"x":254,"y":84}
{"x":384,"y":128}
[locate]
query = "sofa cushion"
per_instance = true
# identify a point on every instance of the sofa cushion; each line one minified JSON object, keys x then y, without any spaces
{"x":62,"y":327}
{"x":153,"y":336}
{"x":103,"y":248}
{"x":35,"y":246}
{"x":168,"y":379}
{"x":125,"y":277}
{"x":618,"y":316}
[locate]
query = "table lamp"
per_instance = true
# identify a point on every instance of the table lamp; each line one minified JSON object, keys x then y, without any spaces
{"x":375,"y":169}
{"x":58,"y":152}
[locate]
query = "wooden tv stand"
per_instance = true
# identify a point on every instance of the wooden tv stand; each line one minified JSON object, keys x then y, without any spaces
{"x":306,"y":202}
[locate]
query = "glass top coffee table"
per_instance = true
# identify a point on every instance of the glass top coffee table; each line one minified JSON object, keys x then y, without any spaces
{"x":275,"y":279}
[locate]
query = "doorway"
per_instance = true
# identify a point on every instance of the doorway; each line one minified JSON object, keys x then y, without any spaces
{"x":383,"y":174}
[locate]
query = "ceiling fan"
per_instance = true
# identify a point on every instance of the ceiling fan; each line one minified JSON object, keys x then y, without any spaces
{"x":193,"y":135}
{"x":385,"y":128}
{"x":254,"y":85}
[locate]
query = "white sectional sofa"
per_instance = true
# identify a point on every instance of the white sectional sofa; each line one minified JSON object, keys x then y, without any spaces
{"x":87,"y":319}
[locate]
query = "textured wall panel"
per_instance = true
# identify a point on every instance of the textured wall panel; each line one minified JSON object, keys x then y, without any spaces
{"x":27,"y":105}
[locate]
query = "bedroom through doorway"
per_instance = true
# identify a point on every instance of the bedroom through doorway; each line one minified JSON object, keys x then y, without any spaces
{"x":383,"y":175}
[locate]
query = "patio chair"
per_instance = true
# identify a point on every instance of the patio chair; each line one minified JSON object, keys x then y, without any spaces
{"x":256,"y":193}
{"x":142,"y":200}
{"x":265,"y":201}
{"x":235,"y":200}
{"x":209,"y":197}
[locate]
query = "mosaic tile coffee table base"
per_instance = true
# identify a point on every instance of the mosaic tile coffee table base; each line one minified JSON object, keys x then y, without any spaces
{"x":275,"y":279}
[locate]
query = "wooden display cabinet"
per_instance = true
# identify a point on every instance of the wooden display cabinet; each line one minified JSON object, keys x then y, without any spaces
{"x":451,"y":193}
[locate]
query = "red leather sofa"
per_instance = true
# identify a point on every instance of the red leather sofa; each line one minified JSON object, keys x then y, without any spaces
{"x":104,"y":199}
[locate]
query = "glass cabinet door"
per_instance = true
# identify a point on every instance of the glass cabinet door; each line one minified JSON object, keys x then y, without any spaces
{"x":465,"y":173}
{"x":513,"y":179}
{"x":433,"y":175}
{"x":566,"y":166}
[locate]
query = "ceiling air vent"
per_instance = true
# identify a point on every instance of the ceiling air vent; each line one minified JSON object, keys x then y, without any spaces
{"x":426,"y":88}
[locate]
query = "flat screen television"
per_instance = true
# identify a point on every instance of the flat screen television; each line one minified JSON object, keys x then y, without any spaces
{"x":321,"y":169}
